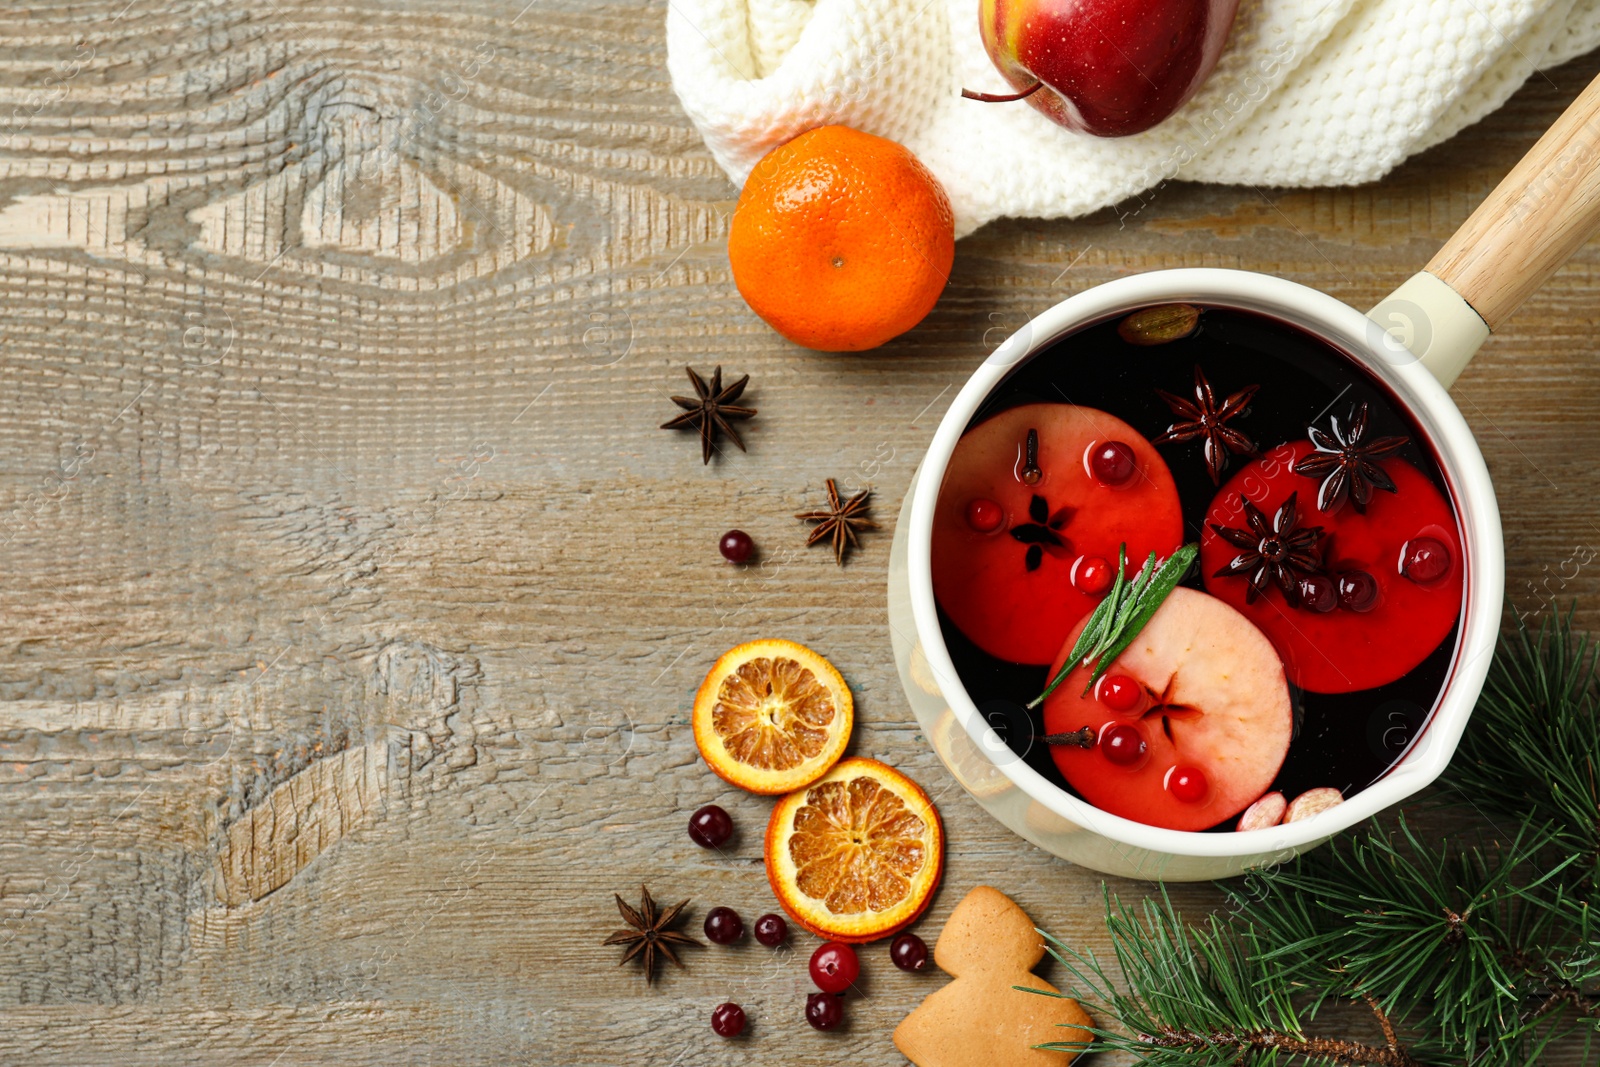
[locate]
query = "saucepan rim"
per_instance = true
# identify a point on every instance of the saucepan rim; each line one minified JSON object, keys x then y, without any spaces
{"x":1430,"y":407}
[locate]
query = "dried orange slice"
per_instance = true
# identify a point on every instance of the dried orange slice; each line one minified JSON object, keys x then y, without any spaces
{"x":857,"y":854}
{"x":772,"y":716}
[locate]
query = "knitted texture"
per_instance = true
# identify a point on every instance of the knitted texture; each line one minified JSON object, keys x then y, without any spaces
{"x":1308,"y":92}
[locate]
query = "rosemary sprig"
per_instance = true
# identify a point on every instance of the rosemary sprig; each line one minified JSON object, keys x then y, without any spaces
{"x":1122,"y":614}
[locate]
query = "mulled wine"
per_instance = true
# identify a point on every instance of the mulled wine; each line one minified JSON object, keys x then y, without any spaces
{"x":1298,"y":657}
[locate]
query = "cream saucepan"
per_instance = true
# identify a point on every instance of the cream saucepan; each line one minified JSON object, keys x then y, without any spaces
{"x":1411,"y":346}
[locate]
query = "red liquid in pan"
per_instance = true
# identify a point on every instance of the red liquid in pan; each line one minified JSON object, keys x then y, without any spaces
{"x":1310,"y":643}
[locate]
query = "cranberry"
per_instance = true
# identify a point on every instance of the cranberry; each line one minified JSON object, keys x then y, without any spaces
{"x":1188,"y":784}
{"x":736,"y":546}
{"x":1319,"y":593}
{"x":710,"y":827}
{"x":1091,"y":575}
{"x":909,"y":952}
{"x":834,"y":967}
{"x":771,"y":930}
{"x":1122,"y":745}
{"x":824,"y":1011}
{"x":728,"y":1020}
{"x":1112,"y":462}
{"x":723,"y":926}
{"x":1424,"y":559}
{"x":1119,"y":692}
{"x":984,"y":515}
{"x":1358,"y":591}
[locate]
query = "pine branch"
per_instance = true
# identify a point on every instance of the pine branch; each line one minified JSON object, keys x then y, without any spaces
{"x":1309,"y":1049}
{"x":1201,"y":996}
{"x":1384,"y":911}
{"x":1558,"y":992}
{"x":1565,"y":975}
{"x":1532,"y":750}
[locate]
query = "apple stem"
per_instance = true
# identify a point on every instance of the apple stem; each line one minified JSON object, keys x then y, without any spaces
{"x":1002,"y":98}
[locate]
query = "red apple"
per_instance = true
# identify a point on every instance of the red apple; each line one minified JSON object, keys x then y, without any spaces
{"x":1340,"y":642}
{"x":1106,"y":67}
{"x":1207,"y":733}
{"x":1025,"y":548}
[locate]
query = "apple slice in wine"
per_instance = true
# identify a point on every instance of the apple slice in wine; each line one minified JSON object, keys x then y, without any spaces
{"x":1191,"y":722}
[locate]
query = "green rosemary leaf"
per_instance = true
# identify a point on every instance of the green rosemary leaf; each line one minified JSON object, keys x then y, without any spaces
{"x":1156,"y":589}
{"x":1094,"y":630}
{"x":1126,"y":609}
{"x":1136,"y":589}
{"x":1101,"y":617}
{"x":1104,"y":612}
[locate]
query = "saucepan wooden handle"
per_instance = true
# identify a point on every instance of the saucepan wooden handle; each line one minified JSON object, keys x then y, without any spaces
{"x":1535,"y":219}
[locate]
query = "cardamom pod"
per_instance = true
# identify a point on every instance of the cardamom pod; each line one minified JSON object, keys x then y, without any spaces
{"x":1160,"y":324}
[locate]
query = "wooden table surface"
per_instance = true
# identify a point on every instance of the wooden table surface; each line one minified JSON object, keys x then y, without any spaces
{"x":353,"y":603}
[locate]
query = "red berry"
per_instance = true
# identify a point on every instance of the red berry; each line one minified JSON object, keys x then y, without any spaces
{"x":736,"y":546}
{"x":1091,"y":575}
{"x":1188,"y":784}
{"x":1358,"y":591}
{"x":824,"y":1011}
{"x":1119,"y":692}
{"x":1112,"y":462}
{"x":984,"y":515}
{"x":834,"y":966}
{"x":771,"y":930}
{"x":909,"y":952}
{"x":1122,"y":745}
{"x":1424,"y":559}
{"x":710,"y":827}
{"x":1318,"y":593}
{"x":728,"y":1020}
{"x":723,"y":926}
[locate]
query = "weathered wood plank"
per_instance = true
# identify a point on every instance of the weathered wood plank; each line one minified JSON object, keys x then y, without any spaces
{"x":353,"y":601}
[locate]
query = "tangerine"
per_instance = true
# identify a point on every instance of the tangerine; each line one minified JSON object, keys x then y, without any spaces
{"x":841,"y":240}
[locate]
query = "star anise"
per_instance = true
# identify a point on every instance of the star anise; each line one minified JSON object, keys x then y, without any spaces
{"x":648,"y":935}
{"x":1347,"y":463}
{"x":710,"y":410}
{"x":1043,"y":534}
{"x":839,"y":521}
{"x":1282,"y":552}
{"x":1204,"y":417}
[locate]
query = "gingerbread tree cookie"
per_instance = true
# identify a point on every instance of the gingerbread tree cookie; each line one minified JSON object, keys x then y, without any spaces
{"x":979,"y":1019}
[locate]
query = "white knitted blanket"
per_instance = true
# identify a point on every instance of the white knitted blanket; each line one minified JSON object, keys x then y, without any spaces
{"x":1309,"y":92}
